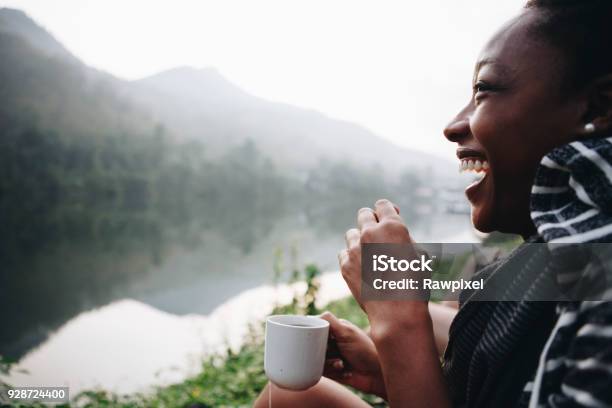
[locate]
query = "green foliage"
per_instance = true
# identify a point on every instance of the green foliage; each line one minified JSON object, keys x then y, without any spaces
{"x":5,"y":369}
{"x":233,"y":380}
{"x":5,"y":366}
{"x":312,"y":287}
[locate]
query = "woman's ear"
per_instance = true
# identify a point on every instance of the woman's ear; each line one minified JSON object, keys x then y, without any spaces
{"x":598,"y":115}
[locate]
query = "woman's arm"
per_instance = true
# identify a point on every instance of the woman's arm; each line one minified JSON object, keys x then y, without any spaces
{"x":409,"y":359}
{"x":403,"y":332}
{"x":442,"y":316}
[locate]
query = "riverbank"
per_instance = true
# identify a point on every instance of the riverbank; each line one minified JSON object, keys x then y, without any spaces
{"x":230,"y":374}
{"x":155,"y":348}
{"x":230,"y":379}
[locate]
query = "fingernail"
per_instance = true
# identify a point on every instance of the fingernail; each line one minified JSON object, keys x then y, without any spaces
{"x":338,"y":364}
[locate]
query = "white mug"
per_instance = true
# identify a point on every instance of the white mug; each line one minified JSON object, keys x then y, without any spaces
{"x":295,"y":350}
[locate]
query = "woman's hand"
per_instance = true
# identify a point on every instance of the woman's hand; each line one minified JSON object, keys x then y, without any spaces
{"x":383,"y":224}
{"x":402,"y":331}
{"x":352,"y":358}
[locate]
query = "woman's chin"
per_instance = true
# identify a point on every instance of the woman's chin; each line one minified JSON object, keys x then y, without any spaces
{"x":478,"y":195}
{"x":482,"y":219}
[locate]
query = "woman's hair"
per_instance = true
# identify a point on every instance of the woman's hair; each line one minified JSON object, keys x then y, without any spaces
{"x":582,"y":30}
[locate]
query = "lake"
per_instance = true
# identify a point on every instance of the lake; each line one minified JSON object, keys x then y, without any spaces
{"x":140,"y":304}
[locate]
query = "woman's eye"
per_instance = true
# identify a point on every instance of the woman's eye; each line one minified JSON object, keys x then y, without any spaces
{"x":482,"y":87}
{"x":481,"y":90}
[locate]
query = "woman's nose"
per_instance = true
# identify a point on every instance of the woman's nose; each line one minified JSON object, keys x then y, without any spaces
{"x":459,"y":127}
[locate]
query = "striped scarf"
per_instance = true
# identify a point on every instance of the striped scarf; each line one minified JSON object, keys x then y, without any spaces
{"x":572,"y":203}
{"x":571,"y":199}
{"x":520,"y":353}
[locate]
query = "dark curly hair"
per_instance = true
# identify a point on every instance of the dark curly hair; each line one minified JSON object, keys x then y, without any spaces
{"x":582,"y":30}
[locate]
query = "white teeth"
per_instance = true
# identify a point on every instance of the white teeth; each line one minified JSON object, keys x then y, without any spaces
{"x":473,"y":165}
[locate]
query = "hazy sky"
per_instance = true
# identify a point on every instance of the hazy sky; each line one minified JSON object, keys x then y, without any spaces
{"x":402,"y":68}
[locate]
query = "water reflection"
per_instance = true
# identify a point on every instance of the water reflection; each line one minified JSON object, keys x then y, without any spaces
{"x":128,"y":346}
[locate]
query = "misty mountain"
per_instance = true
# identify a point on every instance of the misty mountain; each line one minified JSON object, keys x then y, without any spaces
{"x":48,"y":82}
{"x":44,"y":84}
{"x":16,"y":22}
{"x":203,"y":105}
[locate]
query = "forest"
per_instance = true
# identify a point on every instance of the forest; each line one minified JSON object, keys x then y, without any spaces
{"x":80,"y":212}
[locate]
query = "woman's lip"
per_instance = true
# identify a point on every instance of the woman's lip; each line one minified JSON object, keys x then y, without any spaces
{"x":467,"y":153}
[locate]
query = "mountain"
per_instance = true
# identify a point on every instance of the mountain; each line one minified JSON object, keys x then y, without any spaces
{"x":48,"y":82}
{"x":43,"y":83}
{"x":206,"y":106}
{"x":16,"y":22}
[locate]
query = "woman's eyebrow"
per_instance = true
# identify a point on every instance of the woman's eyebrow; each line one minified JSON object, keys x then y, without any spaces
{"x":503,"y":69}
{"x":484,"y":62}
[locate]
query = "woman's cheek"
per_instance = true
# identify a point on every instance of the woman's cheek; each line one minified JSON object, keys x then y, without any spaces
{"x":484,"y":128}
{"x":496,"y":130}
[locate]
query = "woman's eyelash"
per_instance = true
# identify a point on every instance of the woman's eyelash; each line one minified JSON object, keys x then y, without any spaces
{"x":482,"y":87}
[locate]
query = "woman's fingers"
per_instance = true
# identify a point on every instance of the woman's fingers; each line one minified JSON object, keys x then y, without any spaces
{"x":336,"y":369}
{"x":366,"y":218}
{"x":341,"y":376}
{"x":341,"y":329}
{"x":352,"y":238}
{"x":382,"y":209}
{"x":343,"y":257}
{"x":334,"y":322}
{"x":335,"y":364}
{"x":386,"y":210}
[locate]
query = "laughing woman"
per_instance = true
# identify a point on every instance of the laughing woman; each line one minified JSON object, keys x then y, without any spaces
{"x":540,"y":117}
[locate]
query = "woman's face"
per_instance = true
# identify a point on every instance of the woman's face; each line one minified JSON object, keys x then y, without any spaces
{"x":518,"y":112}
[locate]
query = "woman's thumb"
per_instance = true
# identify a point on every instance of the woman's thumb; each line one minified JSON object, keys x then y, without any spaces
{"x":338,"y":327}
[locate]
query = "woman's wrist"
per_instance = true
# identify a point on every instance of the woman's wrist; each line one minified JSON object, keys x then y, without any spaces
{"x":406,"y":317}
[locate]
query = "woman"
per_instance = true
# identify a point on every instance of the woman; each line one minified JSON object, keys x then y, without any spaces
{"x":541,"y":110}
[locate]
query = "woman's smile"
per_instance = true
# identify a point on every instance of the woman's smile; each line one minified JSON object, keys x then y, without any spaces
{"x":474,"y":162}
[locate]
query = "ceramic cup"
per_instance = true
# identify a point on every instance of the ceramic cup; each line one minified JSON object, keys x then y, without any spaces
{"x":295,"y":350}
